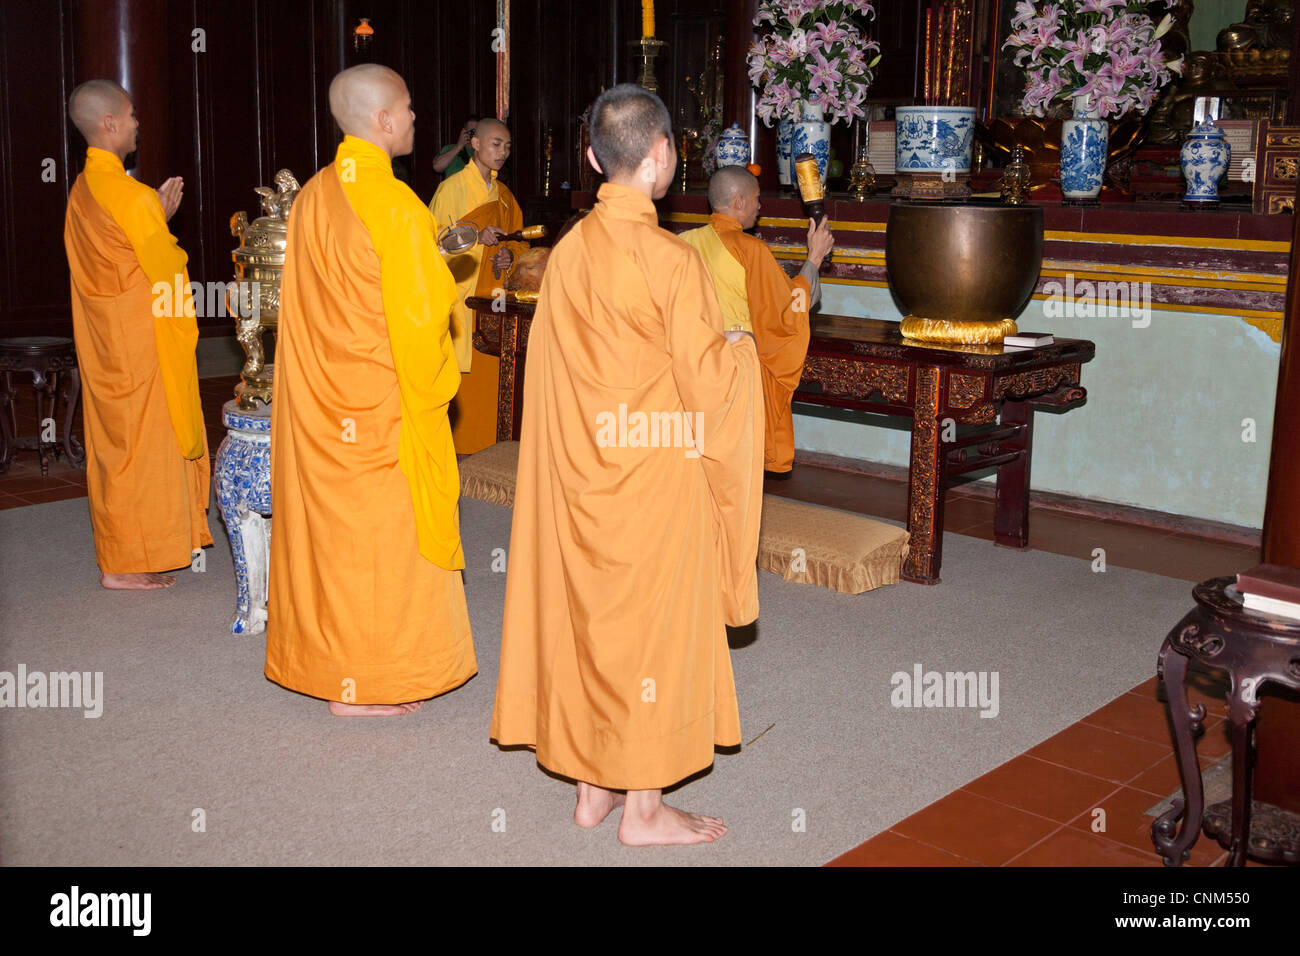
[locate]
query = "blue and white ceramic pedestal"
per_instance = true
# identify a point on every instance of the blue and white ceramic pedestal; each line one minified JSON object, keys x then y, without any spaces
{"x":243,"y":476}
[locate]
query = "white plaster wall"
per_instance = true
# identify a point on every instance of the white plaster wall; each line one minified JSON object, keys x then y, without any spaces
{"x":1162,"y":427}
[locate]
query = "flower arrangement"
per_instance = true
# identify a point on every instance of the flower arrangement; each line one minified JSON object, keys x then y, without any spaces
{"x":813,"y":52}
{"x":1106,"y":50}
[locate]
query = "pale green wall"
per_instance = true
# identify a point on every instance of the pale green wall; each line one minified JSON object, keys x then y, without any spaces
{"x":1162,"y":426}
{"x":1211,"y":16}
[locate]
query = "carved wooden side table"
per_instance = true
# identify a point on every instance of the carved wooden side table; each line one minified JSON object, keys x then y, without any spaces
{"x":1253,"y":649}
{"x":52,"y":363}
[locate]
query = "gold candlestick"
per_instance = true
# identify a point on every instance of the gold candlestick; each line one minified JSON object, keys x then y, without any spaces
{"x":649,"y":52}
{"x":546,"y":176}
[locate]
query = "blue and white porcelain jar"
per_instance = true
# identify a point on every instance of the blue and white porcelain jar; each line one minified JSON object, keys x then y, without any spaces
{"x":933,"y":139}
{"x":732,"y":148}
{"x":784,"y":163}
{"x":1084,"y":138}
{"x":1205,"y":156}
{"x":812,"y":135}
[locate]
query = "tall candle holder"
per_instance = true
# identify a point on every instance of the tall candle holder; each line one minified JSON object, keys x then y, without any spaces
{"x":546,"y":176}
{"x":650,"y":48}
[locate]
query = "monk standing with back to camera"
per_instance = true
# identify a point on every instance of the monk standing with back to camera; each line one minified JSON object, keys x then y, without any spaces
{"x":629,"y":557}
{"x":366,"y":606}
{"x":147,"y":470}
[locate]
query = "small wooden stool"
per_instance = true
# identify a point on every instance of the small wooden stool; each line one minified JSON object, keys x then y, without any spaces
{"x":1253,"y":648}
{"x":52,"y":362}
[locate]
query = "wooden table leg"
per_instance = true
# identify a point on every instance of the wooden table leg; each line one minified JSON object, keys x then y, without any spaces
{"x":8,"y":421}
{"x":1241,"y":713}
{"x":71,"y":395}
{"x":925,"y":491}
{"x":1173,"y":844}
{"x":509,"y":388}
{"x":1011,"y":503}
{"x":43,"y":389}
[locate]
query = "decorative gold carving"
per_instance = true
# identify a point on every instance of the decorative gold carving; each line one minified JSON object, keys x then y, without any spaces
{"x":1270,"y":327}
{"x":843,"y":376}
{"x":1282,"y":138}
{"x":965,"y":390}
{"x":923,"y":474}
{"x":1022,"y":385}
{"x":509,"y":378}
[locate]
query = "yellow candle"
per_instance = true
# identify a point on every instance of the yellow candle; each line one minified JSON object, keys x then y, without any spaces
{"x":647,"y":18}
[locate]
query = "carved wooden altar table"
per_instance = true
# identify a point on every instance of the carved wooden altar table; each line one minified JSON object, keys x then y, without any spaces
{"x":866,"y":364}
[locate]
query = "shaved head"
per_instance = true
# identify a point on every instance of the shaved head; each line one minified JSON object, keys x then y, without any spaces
{"x":491,"y":144}
{"x":626,"y":122}
{"x":371,"y":102}
{"x":489,"y":125}
{"x":359,"y":92}
{"x":728,"y":184}
{"x":92,"y":101}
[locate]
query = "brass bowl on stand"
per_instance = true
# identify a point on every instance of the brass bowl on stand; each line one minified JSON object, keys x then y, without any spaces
{"x":961,"y":273}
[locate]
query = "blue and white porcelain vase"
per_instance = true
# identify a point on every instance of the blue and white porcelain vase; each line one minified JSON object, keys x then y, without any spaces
{"x":933,"y":139}
{"x":784,"y":166}
{"x":812,"y":134}
{"x":1084,"y":138}
{"x":732,"y":148}
{"x":1205,"y":156}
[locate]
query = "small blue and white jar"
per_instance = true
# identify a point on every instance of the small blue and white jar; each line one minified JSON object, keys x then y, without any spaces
{"x":1084,"y":140}
{"x":933,"y":139}
{"x":784,"y":161}
{"x":1205,"y":156}
{"x":732,"y":148}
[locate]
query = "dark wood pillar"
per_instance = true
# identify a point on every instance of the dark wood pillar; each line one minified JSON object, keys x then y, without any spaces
{"x":126,"y":41}
{"x":1277,"y":773}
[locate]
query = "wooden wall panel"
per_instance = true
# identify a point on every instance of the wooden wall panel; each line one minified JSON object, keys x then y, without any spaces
{"x":34,"y":86}
{"x":255,"y":100}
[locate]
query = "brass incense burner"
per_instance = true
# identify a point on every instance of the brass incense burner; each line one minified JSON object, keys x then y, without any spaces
{"x":254,"y":299}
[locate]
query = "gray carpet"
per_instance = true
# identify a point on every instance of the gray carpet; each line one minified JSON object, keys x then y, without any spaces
{"x":190,"y":723}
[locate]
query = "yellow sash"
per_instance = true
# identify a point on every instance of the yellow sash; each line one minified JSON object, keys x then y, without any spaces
{"x":728,"y":276}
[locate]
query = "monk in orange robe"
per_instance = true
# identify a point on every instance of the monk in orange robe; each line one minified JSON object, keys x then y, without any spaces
{"x":477,"y":196}
{"x":147,"y":468}
{"x":366,"y":604}
{"x":755,"y":294}
{"x":635,"y":527}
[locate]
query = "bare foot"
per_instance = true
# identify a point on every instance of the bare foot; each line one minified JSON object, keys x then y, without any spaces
{"x":135,"y":582}
{"x":339,"y":709}
{"x":595,"y":804}
{"x":648,"y":821}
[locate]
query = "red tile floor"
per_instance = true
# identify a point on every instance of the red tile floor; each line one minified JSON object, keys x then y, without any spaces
{"x":1033,"y":810}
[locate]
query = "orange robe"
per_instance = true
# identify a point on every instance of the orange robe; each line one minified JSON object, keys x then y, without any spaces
{"x":627,"y":558}
{"x":147,"y":467}
{"x":366,"y":604}
{"x":778,"y":311}
{"x":464,"y":197}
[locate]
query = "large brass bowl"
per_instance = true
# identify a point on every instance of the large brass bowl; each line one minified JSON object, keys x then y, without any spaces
{"x":961,"y":273}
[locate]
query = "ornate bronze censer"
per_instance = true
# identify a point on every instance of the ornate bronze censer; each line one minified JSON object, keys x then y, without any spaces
{"x":254,"y":300}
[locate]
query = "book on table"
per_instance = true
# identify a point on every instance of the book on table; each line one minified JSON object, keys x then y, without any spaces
{"x":1029,"y":340}
{"x":1271,"y":589}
